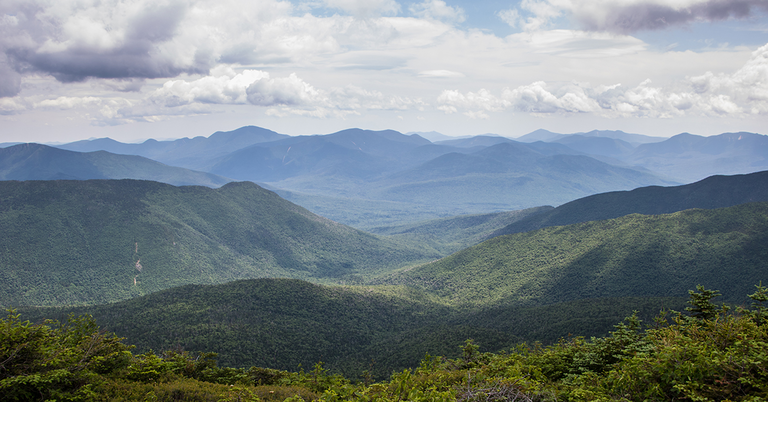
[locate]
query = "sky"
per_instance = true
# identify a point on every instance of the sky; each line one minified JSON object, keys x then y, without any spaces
{"x":138,"y":69}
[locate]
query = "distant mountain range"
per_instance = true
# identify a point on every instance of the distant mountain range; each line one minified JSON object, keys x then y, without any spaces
{"x":376,"y":178}
{"x":352,"y":153}
{"x":692,"y":157}
{"x":193,"y":153}
{"x":40,"y":162}
{"x":436,"y":136}
{"x":547,"y":136}
{"x":476,"y":175}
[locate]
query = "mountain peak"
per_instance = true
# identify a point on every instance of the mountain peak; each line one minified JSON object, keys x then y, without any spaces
{"x":539,"y":135}
{"x":621,"y":135}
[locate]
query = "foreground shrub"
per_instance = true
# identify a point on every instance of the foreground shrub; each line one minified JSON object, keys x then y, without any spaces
{"x":54,"y":361}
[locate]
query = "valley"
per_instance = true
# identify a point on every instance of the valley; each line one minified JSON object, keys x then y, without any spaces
{"x":365,"y":250}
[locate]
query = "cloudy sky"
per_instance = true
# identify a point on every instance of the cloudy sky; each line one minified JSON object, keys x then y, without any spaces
{"x":137,"y":69}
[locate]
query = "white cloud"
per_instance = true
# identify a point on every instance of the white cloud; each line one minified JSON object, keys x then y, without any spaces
{"x":224,"y":86}
{"x":744,"y":92}
{"x":575,"y":43}
{"x":74,"y":40}
{"x":438,"y":10}
{"x":451,"y":101}
{"x":511,"y":17}
{"x":440,"y":73}
{"x":365,"y":8}
{"x":149,"y":60}
{"x":10,"y":106}
{"x":537,"y":98}
{"x":65,"y":102}
{"x":291,"y":90}
{"x":283,"y":96}
{"x":542,"y":12}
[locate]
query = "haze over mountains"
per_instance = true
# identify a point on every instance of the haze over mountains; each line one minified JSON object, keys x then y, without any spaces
{"x":561,"y":235}
{"x":192,"y":153}
{"x":547,"y":136}
{"x":376,"y":178}
{"x":40,"y":162}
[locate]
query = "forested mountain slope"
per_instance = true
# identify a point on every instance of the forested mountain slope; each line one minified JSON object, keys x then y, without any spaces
{"x":712,"y":192}
{"x":289,"y":324}
{"x":269,"y":322}
{"x":96,"y":241}
{"x":449,"y":235}
{"x":631,"y":256}
{"x":579,"y":279}
{"x":712,"y":353}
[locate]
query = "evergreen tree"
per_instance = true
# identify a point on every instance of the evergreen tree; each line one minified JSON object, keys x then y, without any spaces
{"x":760,"y":297}
{"x":702,"y":307}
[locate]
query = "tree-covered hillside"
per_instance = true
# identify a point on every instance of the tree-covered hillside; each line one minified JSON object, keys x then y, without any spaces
{"x":537,"y":286}
{"x":287,"y":323}
{"x":711,"y":353}
{"x":164,"y":256}
{"x":712,"y":192}
{"x":634,"y":255}
{"x":76,"y":242}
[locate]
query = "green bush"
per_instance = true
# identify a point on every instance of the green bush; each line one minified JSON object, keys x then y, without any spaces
{"x":54,"y":361}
